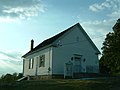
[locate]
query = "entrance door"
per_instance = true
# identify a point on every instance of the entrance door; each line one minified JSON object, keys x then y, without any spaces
{"x":77,"y":64}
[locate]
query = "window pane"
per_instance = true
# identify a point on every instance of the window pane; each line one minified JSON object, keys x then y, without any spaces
{"x":42,"y":61}
{"x":31,"y":63}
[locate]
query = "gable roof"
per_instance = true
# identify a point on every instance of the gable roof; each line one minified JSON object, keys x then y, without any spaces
{"x":49,"y":41}
{"x":54,"y":38}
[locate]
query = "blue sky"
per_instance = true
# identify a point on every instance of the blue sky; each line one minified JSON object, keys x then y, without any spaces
{"x":23,"y":20}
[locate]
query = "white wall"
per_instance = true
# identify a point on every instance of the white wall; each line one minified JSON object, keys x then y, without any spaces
{"x":40,"y":70}
{"x":71,"y":45}
{"x":56,"y":57}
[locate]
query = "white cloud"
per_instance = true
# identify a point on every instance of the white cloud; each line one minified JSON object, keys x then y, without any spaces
{"x":107,"y":4}
{"x":101,"y":26}
{"x":10,"y":62}
{"x":11,"y":10}
{"x":112,"y":5}
{"x":96,"y":7}
{"x":111,"y":9}
{"x":115,"y":14}
{"x":97,"y":30}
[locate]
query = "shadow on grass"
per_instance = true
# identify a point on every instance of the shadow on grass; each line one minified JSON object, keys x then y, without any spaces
{"x":99,"y":84}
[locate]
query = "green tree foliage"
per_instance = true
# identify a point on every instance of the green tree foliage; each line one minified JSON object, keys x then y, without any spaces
{"x":110,"y":60}
{"x":10,"y":77}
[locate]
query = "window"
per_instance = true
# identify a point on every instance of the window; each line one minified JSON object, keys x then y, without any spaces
{"x":42,"y":61}
{"x":31,"y":63}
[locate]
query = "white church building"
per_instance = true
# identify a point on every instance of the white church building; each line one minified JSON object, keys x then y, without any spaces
{"x":70,"y":53}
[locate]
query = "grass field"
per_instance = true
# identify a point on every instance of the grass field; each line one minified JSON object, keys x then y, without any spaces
{"x":63,"y":84}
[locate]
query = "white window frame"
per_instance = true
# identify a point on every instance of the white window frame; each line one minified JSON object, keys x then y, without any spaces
{"x":31,"y":63}
{"x":42,"y":60}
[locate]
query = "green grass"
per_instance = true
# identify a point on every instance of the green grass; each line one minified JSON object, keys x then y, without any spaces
{"x":61,"y":84}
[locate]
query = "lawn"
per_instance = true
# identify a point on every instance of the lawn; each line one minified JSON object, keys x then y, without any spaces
{"x":64,"y":84}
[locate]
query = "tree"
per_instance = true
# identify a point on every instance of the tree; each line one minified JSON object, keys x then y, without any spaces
{"x":11,"y":77}
{"x":7,"y":77}
{"x":110,"y":60}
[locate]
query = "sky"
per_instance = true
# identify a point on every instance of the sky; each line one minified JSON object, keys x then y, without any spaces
{"x":23,"y":20}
